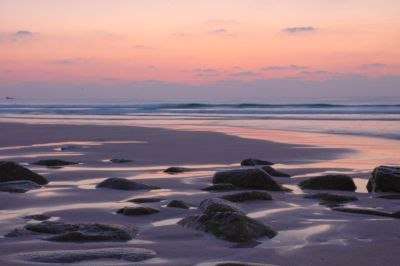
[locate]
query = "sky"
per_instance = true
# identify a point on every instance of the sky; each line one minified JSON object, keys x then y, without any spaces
{"x":180,"y":47}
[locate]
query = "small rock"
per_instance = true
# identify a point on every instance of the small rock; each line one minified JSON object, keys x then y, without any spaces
{"x":178,"y":204}
{"x":238,"y":263}
{"x":121,"y":161}
{"x":248,"y":178}
{"x":20,"y":186}
{"x":137,"y":211}
{"x":53,"y":163}
{"x":384,"y":179}
{"x":230,"y":226}
{"x":145,"y":200}
{"x":10,"y":171}
{"x":246,"y":196}
{"x":367,"y":212}
{"x":253,"y":162}
{"x":37,"y":217}
{"x":123,"y":184}
{"x":221,"y":187}
{"x":219,"y":205}
{"x":81,"y":255}
{"x":176,"y":170}
{"x":273,"y":172}
{"x":329,"y":182}
{"x":331,"y":197}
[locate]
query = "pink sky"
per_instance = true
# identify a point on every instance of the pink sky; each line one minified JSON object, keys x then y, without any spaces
{"x":196,"y":42}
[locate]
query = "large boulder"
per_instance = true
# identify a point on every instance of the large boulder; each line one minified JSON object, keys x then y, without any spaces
{"x":83,"y":255}
{"x":384,"y":179}
{"x":331,"y":197}
{"x":252,"y":162}
{"x":10,"y":171}
{"x":248,"y":178}
{"x":246,"y":196}
{"x":230,"y":226}
{"x":64,"y":232}
{"x":20,"y":186}
{"x":54,"y":163}
{"x":273,"y":172}
{"x":123,"y":184}
{"x":329,"y":182}
{"x":133,"y":211}
{"x":218,"y":205}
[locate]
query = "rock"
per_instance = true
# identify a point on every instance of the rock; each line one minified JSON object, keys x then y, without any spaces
{"x":252,"y":162}
{"x":37,"y":217}
{"x":248,"y":178}
{"x":238,"y":263}
{"x":384,"y":179}
{"x":245,"y":196}
{"x":64,"y":232}
{"x":137,"y":211}
{"x":81,"y":255}
{"x":367,"y":212}
{"x":230,"y":226}
{"x":331,"y":197}
{"x":10,"y":171}
{"x":329,"y":182}
{"x":178,"y":204}
{"x":219,"y":205}
{"x":121,"y":161}
{"x":67,"y":147}
{"x":145,"y":200}
{"x":392,"y":197}
{"x":176,"y":170}
{"x":53,"y":163}
{"x":21,"y":186}
{"x":273,"y":172}
{"x":123,"y":184}
{"x":221,"y":187}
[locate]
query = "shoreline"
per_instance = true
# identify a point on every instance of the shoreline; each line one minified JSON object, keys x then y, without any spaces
{"x":308,"y":233}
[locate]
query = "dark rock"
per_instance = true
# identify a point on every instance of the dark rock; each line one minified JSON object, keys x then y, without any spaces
{"x":10,"y":171}
{"x":238,"y":263}
{"x":37,"y":217}
{"x":384,"y":179}
{"x":137,"y":211}
{"x":64,"y":232}
{"x":248,"y":178}
{"x":21,"y":186}
{"x":329,"y":182}
{"x":221,"y":187}
{"x":123,"y":184}
{"x":81,"y":255}
{"x":392,"y":197}
{"x":366,"y":211}
{"x":176,"y":170}
{"x":121,"y":161}
{"x":245,"y":196}
{"x":145,"y":200}
{"x":53,"y":163}
{"x":218,"y":205}
{"x":230,"y":226}
{"x":273,"y":172}
{"x":331,"y":197}
{"x":67,"y":147}
{"x":252,"y":162}
{"x":178,"y":204}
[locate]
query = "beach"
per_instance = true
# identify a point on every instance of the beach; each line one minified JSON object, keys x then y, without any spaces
{"x":308,"y":233}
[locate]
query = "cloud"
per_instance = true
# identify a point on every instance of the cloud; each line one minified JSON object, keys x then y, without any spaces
{"x":23,"y":33}
{"x":372,"y":66}
{"x":245,"y":74}
{"x":299,"y":29}
{"x":141,"y":46}
{"x":316,"y":72}
{"x":72,"y":61}
{"x":206,"y":72}
{"x":218,"y":31}
{"x":288,"y":67}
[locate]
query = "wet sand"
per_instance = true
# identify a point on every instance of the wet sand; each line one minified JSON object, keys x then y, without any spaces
{"x":308,"y":233}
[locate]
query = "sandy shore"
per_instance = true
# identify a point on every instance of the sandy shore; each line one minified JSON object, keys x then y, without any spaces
{"x":308,"y":233}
